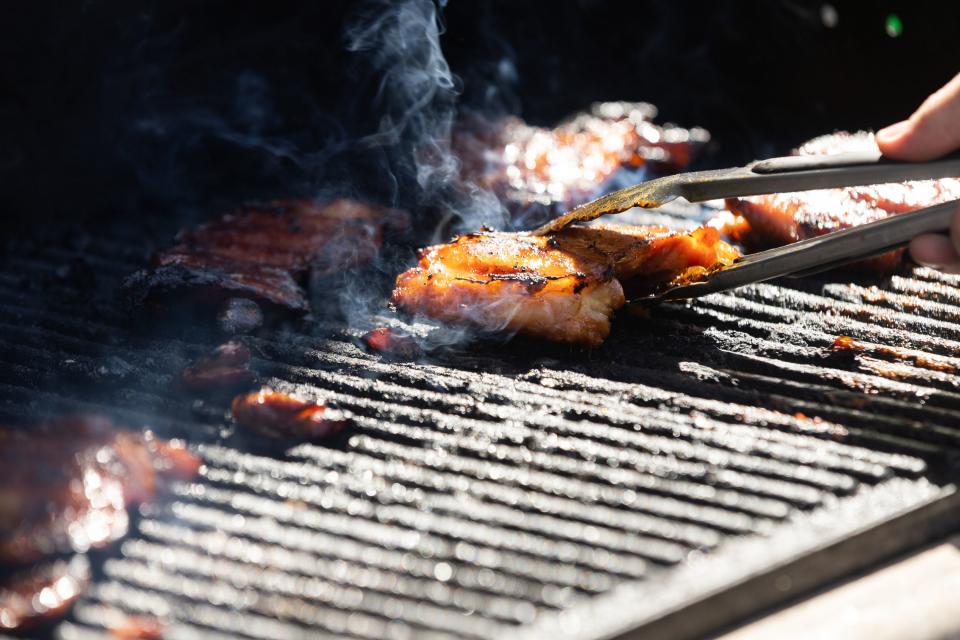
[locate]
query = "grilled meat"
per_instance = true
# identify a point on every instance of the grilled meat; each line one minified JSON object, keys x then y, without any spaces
{"x":392,"y":343}
{"x":226,"y":368}
{"x":918,"y":359}
{"x":67,"y":484}
{"x":264,"y":254}
{"x":563,"y":287}
{"x":280,"y":415}
{"x":646,"y":258}
{"x":513,"y":282}
{"x":546,"y":171}
{"x":32,"y":597}
{"x":138,"y":628}
{"x":782,"y":218}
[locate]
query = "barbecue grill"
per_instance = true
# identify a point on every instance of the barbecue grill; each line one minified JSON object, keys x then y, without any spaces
{"x":712,"y":460}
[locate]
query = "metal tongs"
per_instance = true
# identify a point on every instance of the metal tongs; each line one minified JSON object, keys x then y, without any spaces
{"x":779,"y":175}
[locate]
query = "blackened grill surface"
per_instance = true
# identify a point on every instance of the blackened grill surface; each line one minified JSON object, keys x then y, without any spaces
{"x":491,"y":489}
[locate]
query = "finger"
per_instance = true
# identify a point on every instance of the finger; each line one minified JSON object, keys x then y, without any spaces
{"x":932,"y":130}
{"x":934,"y":250}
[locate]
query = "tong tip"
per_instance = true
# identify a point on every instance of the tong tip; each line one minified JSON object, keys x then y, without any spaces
{"x":648,"y":195}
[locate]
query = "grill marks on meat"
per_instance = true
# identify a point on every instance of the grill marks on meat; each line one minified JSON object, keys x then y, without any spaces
{"x":32,"y":597}
{"x":280,"y":415}
{"x":782,"y":218}
{"x":67,"y":484}
{"x":559,"y":168}
{"x":513,"y":282}
{"x":564,"y":287}
{"x":262,"y":253}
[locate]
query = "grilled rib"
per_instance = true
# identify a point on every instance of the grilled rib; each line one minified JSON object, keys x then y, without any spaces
{"x":564,"y":287}
{"x":537,"y":169}
{"x":262,"y":253}
{"x":782,"y":218}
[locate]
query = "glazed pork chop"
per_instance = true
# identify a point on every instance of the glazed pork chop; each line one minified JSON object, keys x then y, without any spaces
{"x":564,"y":287}
{"x":781,"y":218}
{"x":550,"y":170}
{"x":260,"y":256}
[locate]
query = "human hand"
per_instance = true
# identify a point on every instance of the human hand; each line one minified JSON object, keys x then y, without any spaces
{"x":932,"y":131}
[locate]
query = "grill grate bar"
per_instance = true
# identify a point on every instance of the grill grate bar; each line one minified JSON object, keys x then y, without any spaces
{"x":353,"y":563}
{"x":486,"y":487}
{"x":216,"y":507}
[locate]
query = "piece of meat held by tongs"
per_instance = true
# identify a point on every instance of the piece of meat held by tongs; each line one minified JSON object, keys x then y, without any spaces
{"x":781,"y":175}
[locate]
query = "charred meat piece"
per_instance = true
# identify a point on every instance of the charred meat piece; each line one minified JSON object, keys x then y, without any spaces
{"x":264,"y":254}
{"x":393,"y":343}
{"x":563,"y":287}
{"x":513,"y":282}
{"x":646,"y":258}
{"x":846,"y":343}
{"x":67,"y":484}
{"x":226,"y":368}
{"x":919,"y":359}
{"x":138,"y":628}
{"x":782,"y":218}
{"x":557,"y":169}
{"x":33,"y":597}
{"x":280,"y":415}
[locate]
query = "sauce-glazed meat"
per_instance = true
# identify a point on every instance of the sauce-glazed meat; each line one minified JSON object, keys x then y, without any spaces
{"x":645,"y":258}
{"x":66,"y":484}
{"x":32,"y":597}
{"x":138,"y":628}
{"x":564,"y":287}
{"x":226,"y":368}
{"x":782,"y":218}
{"x":262,"y":253}
{"x":552,"y":170}
{"x":392,"y":343}
{"x":280,"y":415}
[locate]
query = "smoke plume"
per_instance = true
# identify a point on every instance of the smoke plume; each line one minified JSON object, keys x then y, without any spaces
{"x":416,"y":100}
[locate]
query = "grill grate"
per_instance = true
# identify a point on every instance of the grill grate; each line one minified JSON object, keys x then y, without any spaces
{"x":497,"y":488}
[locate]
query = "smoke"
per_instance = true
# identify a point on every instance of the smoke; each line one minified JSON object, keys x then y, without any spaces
{"x":413,"y":98}
{"x":372,"y":122}
{"x":416,"y":103}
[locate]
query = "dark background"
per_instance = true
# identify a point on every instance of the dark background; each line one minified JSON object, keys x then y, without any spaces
{"x":147,"y":108}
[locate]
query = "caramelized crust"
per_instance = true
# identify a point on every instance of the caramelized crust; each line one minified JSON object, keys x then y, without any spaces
{"x":67,"y":484}
{"x":644,"y":258}
{"x":392,"y":343}
{"x":563,"y":287}
{"x":33,"y":597}
{"x":551,"y":170}
{"x":263,"y":253}
{"x":513,"y":282}
{"x":291,"y":234}
{"x":280,"y":415}
{"x":782,"y":218}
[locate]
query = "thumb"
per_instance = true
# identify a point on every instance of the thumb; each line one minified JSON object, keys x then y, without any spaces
{"x":932,"y":131}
